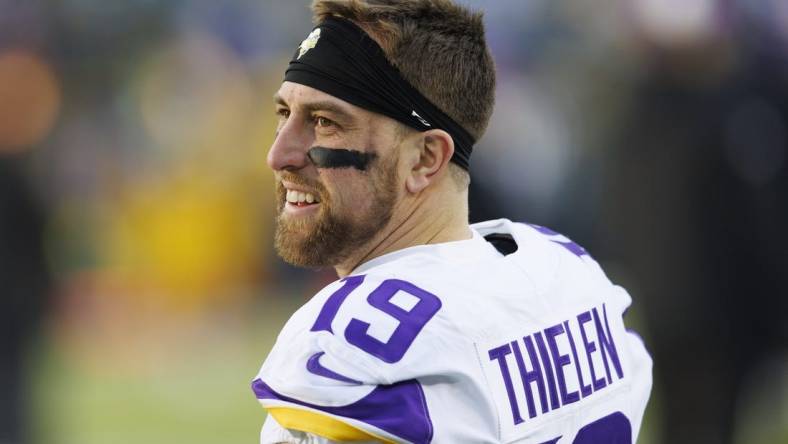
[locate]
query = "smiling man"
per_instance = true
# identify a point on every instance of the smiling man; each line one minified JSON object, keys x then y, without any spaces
{"x":436,"y":331}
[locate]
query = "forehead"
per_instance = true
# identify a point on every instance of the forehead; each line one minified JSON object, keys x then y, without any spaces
{"x":355,"y":121}
{"x":296,"y":95}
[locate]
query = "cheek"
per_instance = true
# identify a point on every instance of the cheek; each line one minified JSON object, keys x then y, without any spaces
{"x":348,"y":188}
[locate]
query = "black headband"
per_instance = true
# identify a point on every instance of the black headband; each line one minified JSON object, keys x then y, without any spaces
{"x":340,"y":59}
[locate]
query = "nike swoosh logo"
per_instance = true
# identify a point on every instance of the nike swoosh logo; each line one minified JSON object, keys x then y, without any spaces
{"x":314,"y":366}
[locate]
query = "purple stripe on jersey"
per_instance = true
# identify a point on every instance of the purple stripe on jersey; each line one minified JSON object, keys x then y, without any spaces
{"x":399,"y":409}
{"x":314,"y":366}
{"x":567,"y":243}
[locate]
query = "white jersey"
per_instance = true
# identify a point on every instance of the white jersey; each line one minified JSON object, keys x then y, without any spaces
{"x":459,"y":343}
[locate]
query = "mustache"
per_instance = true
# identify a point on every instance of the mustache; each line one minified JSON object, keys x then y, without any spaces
{"x":314,"y":186}
{"x":295,"y":179}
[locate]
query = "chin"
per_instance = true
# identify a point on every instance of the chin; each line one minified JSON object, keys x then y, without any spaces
{"x":306,"y":245}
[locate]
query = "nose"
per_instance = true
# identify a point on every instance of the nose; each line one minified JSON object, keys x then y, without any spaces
{"x":289,"y":151}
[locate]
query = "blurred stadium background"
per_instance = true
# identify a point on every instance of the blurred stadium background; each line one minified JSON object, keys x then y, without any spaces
{"x":139,"y":289}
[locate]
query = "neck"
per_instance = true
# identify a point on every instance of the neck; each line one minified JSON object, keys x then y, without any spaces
{"x":418,"y":220}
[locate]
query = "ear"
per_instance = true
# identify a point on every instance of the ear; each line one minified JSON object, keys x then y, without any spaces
{"x":436,"y":148}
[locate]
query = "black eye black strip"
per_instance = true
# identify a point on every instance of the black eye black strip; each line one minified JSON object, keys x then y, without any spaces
{"x":340,"y":158}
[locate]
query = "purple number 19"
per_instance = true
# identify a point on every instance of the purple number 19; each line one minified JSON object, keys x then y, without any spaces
{"x":411,"y":321}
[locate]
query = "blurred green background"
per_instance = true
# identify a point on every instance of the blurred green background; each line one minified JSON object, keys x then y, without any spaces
{"x":141,"y":291}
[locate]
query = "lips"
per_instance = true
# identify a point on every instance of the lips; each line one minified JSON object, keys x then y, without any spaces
{"x":301,"y":197}
{"x":299,"y":194}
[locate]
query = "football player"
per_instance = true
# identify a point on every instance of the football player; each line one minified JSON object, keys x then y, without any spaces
{"x":435,"y":331}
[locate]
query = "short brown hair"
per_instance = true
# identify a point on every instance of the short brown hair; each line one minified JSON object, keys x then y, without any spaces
{"x":437,"y":45}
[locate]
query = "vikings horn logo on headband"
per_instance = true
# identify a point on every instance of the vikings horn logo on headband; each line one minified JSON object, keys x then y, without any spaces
{"x":309,"y":42}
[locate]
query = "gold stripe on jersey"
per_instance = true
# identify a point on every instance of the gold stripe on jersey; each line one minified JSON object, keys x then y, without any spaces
{"x":320,"y":424}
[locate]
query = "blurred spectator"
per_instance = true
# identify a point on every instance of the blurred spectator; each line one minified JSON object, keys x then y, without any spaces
{"x":697,"y":197}
{"x":24,"y":284}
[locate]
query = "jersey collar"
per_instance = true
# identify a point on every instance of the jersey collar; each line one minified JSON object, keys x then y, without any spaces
{"x":459,"y":251}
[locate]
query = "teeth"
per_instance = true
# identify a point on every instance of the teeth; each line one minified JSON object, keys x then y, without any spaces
{"x":294,"y":196}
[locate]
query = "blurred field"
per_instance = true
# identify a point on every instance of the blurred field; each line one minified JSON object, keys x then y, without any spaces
{"x":185,"y":381}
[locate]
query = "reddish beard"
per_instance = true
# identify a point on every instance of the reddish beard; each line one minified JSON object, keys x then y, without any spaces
{"x":335,"y":233}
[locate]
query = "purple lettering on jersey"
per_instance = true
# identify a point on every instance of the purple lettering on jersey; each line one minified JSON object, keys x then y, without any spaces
{"x":399,"y":409}
{"x":590,"y":347}
{"x":500,"y":354}
{"x":548,"y":369}
{"x":546,"y":365}
{"x":530,"y":377}
{"x":565,"y":242}
{"x":410,"y":321}
{"x":529,"y":347}
{"x":584,"y":389}
{"x":606,"y":344}
{"x":332,"y":304}
{"x":314,"y":366}
{"x":560,"y":361}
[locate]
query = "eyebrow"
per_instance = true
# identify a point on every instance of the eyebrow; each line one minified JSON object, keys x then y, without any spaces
{"x":320,"y":105}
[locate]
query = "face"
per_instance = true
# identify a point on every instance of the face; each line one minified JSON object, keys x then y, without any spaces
{"x":329,"y":209}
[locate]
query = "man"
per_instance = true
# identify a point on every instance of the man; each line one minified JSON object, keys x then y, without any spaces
{"x":437,"y":331}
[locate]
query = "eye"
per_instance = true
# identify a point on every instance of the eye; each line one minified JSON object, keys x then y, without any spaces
{"x":323,"y":122}
{"x":283,"y":112}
